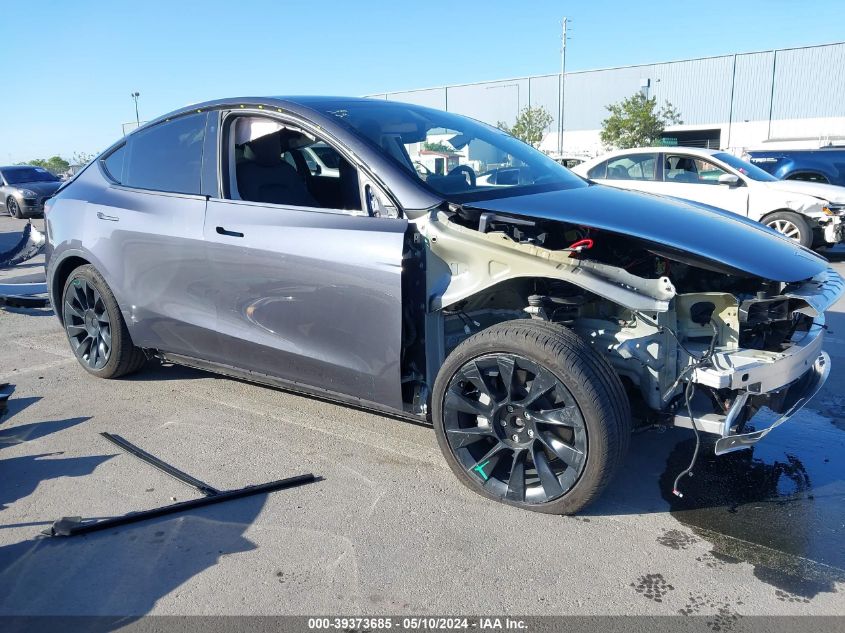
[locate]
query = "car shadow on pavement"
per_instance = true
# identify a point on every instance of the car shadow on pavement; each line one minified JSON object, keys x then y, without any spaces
{"x":155,"y":371}
{"x":22,"y":475}
{"x":10,"y":436}
{"x":16,"y":405}
{"x":125,"y":571}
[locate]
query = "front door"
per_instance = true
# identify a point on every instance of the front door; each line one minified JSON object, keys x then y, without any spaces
{"x":309,"y":296}
{"x":695,"y":178}
{"x":308,"y":286}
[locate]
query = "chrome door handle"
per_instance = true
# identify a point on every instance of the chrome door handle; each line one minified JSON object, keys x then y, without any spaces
{"x":110,"y":218}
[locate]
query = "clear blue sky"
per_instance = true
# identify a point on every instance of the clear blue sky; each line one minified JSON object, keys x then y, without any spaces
{"x":68,"y":69}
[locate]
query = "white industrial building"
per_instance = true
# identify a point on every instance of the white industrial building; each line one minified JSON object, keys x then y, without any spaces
{"x":733,"y":102}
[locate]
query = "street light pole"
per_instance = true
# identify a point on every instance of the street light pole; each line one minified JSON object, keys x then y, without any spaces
{"x":562,"y":79}
{"x":135,"y":96}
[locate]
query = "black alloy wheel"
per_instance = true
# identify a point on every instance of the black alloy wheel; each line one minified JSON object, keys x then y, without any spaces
{"x":515,"y":427}
{"x":95,"y":326}
{"x":529,"y":414}
{"x":87,"y":323}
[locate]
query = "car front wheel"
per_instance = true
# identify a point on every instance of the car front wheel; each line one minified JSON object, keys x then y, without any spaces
{"x":528,"y":414}
{"x":13,"y":208}
{"x":792,"y":225}
{"x":95,"y":327}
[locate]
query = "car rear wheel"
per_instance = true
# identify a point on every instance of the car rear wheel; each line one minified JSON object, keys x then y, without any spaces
{"x":792,"y":225}
{"x":526,"y":413}
{"x":13,"y":208}
{"x":95,"y":327}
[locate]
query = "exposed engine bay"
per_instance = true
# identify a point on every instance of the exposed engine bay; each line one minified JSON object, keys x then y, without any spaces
{"x":663,"y":318}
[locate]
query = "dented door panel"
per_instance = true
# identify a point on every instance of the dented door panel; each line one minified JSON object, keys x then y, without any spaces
{"x":310,"y":297}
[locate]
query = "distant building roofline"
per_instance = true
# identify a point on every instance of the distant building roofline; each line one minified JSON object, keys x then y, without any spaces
{"x":595,"y":70}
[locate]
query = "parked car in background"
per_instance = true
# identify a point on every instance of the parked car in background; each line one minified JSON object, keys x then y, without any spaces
{"x":802,"y":211}
{"x":521,"y":320}
{"x":568,"y":160}
{"x":24,"y":189}
{"x":824,"y":165}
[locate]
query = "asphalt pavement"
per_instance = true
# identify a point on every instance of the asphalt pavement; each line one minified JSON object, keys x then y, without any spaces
{"x":388,"y":530}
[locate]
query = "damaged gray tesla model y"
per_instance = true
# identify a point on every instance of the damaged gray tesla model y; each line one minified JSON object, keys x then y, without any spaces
{"x":440,"y":270}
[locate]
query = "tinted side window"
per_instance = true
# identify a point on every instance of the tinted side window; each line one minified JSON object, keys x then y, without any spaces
{"x":167,"y":157}
{"x":599,"y":171}
{"x":632,"y":167}
{"x":271,"y":164}
{"x":691,"y":169}
{"x":114,"y":164}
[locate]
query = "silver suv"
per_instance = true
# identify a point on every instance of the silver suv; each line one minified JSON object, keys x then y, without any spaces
{"x":24,"y":188}
{"x":523,"y":320}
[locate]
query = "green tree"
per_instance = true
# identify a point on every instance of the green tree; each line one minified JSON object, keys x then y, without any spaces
{"x":82,"y":158}
{"x":637,"y":122}
{"x":55,"y":164}
{"x":438,"y":147}
{"x":530,"y":125}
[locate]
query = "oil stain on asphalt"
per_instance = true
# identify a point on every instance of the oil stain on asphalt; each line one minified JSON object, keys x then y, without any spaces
{"x":652,"y":586}
{"x":724,"y":618}
{"x":779,"y":505}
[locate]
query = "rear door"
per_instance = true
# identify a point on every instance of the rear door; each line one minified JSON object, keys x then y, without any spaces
{"x":636,"y":171}
{"x":147,"y":229}
{"x":308,"y":294}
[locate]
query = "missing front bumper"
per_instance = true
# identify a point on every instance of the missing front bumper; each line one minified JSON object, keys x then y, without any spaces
{"x":797,"y":394}
{"x":796,"y":398}
{"x":834,"y":232}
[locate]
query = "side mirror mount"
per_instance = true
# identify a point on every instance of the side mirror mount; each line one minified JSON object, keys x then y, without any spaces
{"x":731,"y":180}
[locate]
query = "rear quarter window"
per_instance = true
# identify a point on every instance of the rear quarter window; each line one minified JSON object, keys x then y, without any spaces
{"x":599,"y":171}
{"x":113,"y":164}
{"x":168,"y":156}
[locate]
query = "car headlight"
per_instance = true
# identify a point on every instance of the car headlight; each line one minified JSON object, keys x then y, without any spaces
{"x":826,"y":210}
{"x":28,"y":193}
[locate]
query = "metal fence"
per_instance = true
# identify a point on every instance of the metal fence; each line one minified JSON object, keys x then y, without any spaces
{"x":769,"y":86}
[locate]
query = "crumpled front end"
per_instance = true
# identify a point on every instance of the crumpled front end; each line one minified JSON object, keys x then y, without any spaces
{"x":775,"y":367}
{"x":717,"y":340}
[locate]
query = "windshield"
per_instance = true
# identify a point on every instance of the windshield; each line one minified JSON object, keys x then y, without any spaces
{"x":745,"y":168}
{"x":20,"y":175}
{"x":459,"y":158}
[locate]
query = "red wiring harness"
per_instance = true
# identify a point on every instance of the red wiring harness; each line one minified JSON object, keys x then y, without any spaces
{"x":581,"y":245}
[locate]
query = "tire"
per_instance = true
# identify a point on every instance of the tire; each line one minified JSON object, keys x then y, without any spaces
{"x":95,"y":327}
{"x":792,"y":225}
{"x":819,"y":243}
{"x":13,"y":208}
{"x":559,"y":444}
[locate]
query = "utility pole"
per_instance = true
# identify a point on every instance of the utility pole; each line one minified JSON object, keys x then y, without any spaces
{"x":135,"y":96}
{"x":560,"y":84}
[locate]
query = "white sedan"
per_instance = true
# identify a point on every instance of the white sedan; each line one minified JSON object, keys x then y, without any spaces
{"x":807,"y":212}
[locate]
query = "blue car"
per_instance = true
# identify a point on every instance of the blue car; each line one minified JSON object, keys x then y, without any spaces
{"x":826,"y":165}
